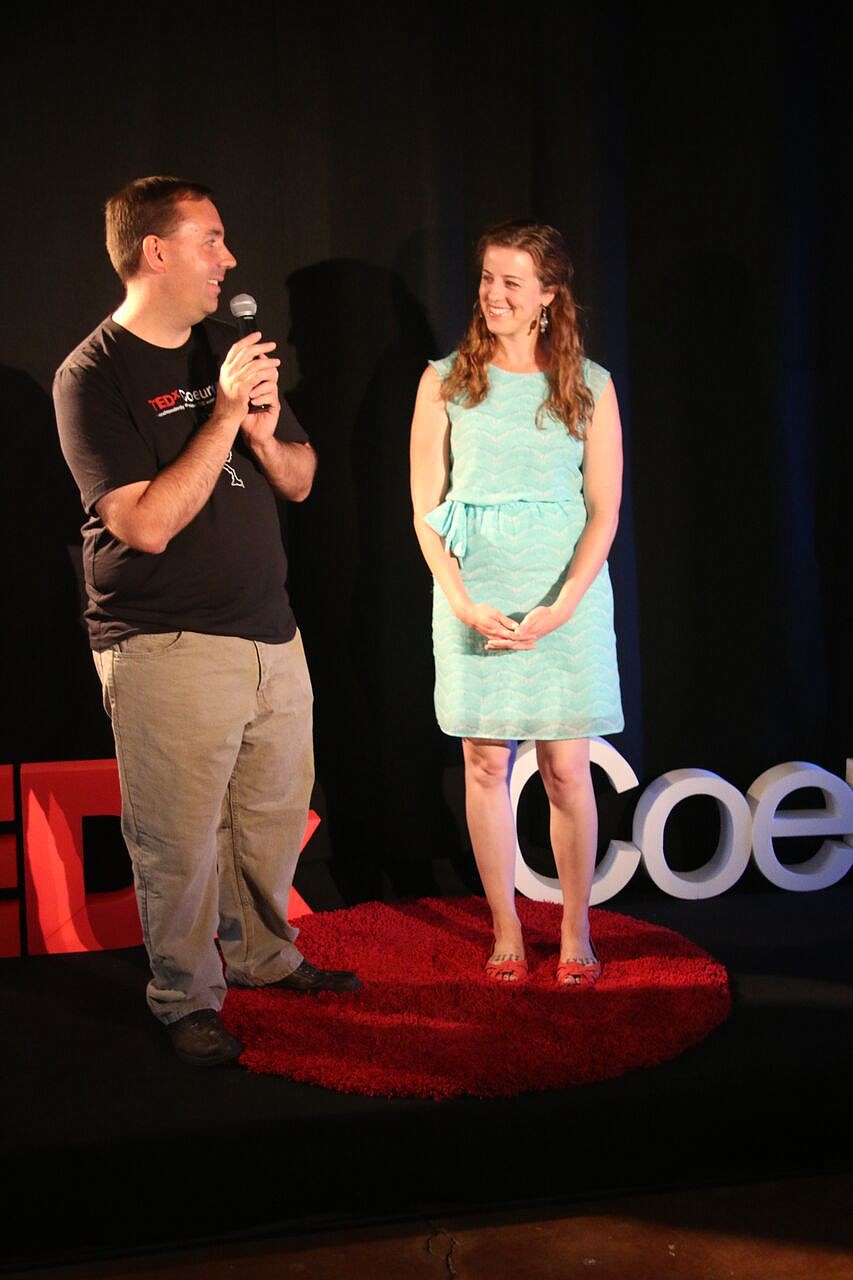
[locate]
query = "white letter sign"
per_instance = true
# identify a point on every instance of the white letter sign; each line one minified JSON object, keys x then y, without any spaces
{"x":729,"y":860}
{"x":622,"y":857}
{"x":834,"y":857}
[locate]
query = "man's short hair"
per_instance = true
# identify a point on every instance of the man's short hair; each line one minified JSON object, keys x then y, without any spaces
{"x":145,"y":207}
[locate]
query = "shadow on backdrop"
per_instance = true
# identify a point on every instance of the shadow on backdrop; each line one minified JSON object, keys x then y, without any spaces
{"x":361,"y":590}
{"x":52,"y":708}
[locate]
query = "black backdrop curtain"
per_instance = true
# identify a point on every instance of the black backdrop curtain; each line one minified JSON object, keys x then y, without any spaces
{"x":356,"y":153}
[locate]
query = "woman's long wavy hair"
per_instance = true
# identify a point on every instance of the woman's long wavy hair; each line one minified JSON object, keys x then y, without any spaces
{"x":569,"y":398}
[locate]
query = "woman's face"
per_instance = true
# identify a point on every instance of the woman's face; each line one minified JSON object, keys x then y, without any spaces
{"x":511,"y":296}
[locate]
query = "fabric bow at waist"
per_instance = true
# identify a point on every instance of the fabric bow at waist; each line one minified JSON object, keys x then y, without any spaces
{"x":450,"y":521}
{"x":456,"y":521}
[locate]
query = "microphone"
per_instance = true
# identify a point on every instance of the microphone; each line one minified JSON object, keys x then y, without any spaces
{"x":244,"y":309}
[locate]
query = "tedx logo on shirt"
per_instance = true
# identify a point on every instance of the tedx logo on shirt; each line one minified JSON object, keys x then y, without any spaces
{"x":178,"y":400}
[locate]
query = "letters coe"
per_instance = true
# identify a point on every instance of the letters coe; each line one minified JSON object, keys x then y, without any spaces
{"x":750,"y":823}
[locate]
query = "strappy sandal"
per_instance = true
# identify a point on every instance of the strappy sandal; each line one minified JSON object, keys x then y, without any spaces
{"x":579,"y":971}
{"x":506,"y":968}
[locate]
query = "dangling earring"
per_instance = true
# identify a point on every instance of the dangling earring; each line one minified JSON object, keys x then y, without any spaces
{"x":544,"y":321}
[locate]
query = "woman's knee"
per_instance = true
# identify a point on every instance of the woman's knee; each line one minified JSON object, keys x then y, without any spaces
{"x":565,"y":774}
{"x":486,"y":765}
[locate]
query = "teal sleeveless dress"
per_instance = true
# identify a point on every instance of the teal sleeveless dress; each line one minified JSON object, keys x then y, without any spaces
{"x":513,"y":513}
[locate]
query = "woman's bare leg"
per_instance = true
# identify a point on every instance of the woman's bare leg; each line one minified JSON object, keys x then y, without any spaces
{"x":564,"y":767}
{"x":491,"y":825}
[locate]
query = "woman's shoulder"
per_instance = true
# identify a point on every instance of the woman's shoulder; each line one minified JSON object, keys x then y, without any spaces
{"x":443,"y":365}
{"x":595,"y":376}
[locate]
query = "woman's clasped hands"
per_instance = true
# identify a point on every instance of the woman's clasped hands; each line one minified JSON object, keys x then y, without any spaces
{"x":502,"y":632}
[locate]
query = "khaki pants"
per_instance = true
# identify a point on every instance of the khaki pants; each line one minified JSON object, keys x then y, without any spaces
{"x":214,"y":746}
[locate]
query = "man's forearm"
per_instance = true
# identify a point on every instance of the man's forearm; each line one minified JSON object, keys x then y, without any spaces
{"x":147,"y":516}
{"x":288,"y":467}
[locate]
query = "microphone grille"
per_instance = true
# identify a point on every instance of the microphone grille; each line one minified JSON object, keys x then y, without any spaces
{"x":243,"y":306}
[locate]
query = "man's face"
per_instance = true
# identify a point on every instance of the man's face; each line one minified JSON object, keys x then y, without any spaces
{"x":196,"y":259}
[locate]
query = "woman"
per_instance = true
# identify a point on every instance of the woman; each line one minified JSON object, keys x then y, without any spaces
{"x":516,"y":482}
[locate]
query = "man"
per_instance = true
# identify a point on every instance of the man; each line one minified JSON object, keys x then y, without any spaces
{"x":195,"y":643}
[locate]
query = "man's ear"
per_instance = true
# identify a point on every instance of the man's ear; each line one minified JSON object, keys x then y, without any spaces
{"x":152,"y":254}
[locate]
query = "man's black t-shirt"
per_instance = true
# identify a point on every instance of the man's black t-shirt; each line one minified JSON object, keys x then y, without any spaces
{"x":125,"y":410}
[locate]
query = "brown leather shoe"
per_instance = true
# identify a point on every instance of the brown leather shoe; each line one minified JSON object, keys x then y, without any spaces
{"x":308,"y":979}
{"x":201,"y":1040}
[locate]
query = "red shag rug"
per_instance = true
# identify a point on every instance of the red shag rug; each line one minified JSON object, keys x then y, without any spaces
{"x":429,"y":1024}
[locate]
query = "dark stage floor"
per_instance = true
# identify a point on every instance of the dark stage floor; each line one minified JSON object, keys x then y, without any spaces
{"x":110,"y":1144}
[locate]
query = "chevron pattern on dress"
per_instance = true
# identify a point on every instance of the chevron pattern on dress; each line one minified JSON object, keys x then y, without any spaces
{"x":518,"y":489}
